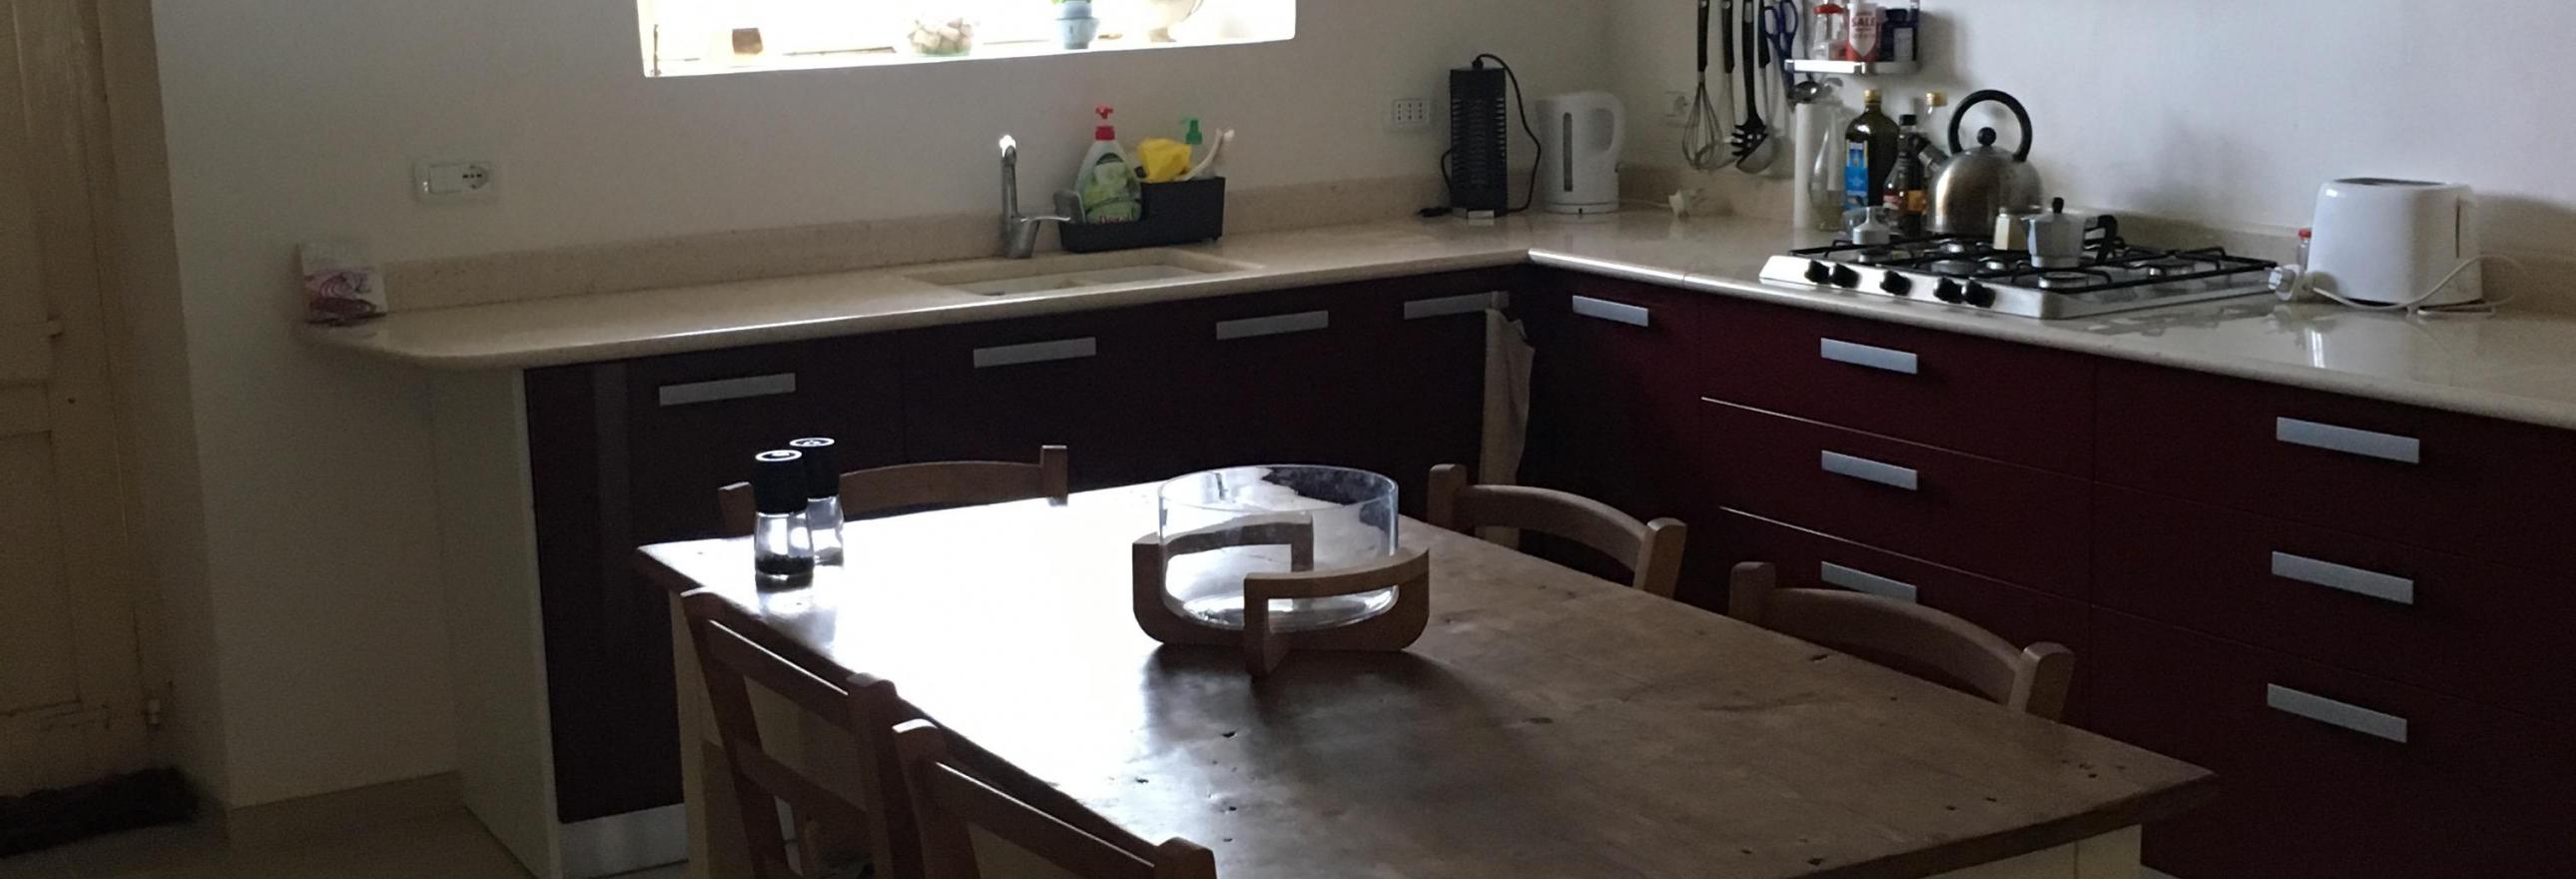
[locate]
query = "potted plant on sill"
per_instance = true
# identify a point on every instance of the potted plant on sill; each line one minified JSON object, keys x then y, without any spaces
{"x":1074,"y":24}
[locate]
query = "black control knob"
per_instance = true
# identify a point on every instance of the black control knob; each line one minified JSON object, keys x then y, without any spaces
{"x":1980,"y":295}
{"x":1846,"y":278}
{"x":1896,"y":284}
{"x":1819,"y":273}
{"x":1948,"y":291}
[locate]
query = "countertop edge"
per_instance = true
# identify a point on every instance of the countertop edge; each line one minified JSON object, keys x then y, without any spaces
{"x":1932,"y":316}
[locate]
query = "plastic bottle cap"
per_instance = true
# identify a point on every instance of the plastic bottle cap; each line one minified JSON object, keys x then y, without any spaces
{"x":1193,"y":137}
{"x":1105,"y":131}
{"x":2305,"y":234}
{"x":778,"y":482}
{"x":822,"y":467}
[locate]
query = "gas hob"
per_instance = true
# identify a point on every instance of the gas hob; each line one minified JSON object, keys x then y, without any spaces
{"x":1968,"y":272}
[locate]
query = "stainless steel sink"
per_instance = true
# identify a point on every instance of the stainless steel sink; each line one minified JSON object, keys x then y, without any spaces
{"x":1076,"y":271}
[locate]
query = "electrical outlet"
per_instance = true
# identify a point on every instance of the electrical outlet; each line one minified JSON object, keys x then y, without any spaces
{"x":1677,"y":107}
{"x":1408,"y":114}
{"x":445,"y":181}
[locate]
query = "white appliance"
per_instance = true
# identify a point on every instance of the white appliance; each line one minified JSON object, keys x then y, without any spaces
{"x":2396,"y":242}
{"x":1582,"y":134}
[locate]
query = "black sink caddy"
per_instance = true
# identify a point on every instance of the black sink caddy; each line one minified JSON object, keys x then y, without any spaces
{"x":1182,"y":212}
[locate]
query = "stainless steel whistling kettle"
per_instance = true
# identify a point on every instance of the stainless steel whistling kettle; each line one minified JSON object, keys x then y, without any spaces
{"x":1971,"y":185}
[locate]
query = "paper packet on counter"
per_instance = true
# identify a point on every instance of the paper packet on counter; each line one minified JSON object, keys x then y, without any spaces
{"x":341,"y":284}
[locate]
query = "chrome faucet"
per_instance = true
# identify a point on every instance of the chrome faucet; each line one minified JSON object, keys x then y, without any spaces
{"x":1019,"y":233}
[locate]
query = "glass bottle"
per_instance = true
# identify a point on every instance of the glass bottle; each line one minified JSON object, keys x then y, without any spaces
{"x":1869,"y":153}
{"x":822,"y":497}
{"x":781,"y":550}
{"x":1903,"y":195}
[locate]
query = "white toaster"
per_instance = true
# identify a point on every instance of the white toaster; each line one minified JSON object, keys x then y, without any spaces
{"x":2394,"y":242}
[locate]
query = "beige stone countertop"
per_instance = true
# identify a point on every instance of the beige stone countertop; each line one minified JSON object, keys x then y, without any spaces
{"x":2518,"y":365}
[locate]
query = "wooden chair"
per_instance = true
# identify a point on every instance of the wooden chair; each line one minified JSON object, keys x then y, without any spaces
{"x":948,"y":801}
{"x":924,"y":486}
{"x":863,"y":706}
{"x":1909,"y":637}
{"x":1652,"y":551}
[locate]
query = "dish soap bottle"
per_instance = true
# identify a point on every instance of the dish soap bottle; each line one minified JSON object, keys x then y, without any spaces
{"x":1106,"y":183}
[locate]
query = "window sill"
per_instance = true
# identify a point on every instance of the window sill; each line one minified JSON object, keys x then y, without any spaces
{"x":890,"y":57}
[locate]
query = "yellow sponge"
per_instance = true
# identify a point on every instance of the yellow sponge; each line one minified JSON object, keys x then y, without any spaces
{"x":1165,"y":159}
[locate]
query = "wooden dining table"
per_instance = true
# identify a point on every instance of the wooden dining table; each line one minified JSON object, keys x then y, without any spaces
{"x":1548,"y":723}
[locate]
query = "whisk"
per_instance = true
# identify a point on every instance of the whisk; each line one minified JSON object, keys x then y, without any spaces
{"x":1704,"y":133}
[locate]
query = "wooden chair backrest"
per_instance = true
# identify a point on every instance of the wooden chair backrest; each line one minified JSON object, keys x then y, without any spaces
{"x":1911,"y":637}
{"x":925,"y":486}
{"x":1652,"y":551}
{"x":863,"y":706}
{"x":948,"y":802}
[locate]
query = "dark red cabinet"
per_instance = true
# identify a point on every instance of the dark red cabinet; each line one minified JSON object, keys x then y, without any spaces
{"x":2000,"y":400}
{"x":2482,"y":631}
{"x":2313,"y":779}
{"x":628,"y":453}
{"x":2009,"y":522}
{"x":1612,"y":401}
{"x":2435,"y":479}
{"x":1807,"y":559}
{"x":1102,"y":384}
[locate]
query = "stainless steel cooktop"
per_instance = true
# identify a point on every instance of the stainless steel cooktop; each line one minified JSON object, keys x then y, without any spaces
{"x":1968,"y":272}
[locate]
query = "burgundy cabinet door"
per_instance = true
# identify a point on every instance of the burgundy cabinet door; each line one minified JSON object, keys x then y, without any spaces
{"x":2324,"y":772}
{"x":1612,"y":401}
{"x":1274,"y":378}
{"x":2486,"y":632}
{"x":2005,"y":521}
{"x":1808,"y":559}
{"x":2460,"y":484}
{"x":629,"y":453}
{"x":2017,"y":403}
{"x":1099,"y":383}
{"x":1421,"y":397}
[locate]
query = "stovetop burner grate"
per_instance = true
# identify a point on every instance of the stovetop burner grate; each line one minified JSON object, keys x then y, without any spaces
{"x":2109,"y":264}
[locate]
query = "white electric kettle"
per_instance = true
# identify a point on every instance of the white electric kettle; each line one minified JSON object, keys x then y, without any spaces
{"x":2396,"y":242}
{"x":1582,"y":134}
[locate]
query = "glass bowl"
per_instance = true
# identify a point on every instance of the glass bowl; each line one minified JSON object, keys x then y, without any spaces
{"x":1352,"y":514}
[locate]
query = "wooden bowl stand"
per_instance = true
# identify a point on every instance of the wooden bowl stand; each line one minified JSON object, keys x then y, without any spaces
{"x":1408,"y":572}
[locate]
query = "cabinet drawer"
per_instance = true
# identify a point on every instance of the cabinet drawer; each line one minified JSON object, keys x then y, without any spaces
{"x":1808,"y":559}
{"x":1098,"y":383}
{"x":2482,"y":631}
{"x":2467,"y":485}
{"x":2009,"y":402}
{"x":2009,"y":522}
{"x":1612,"y":409}
{"x":2313,"y":782}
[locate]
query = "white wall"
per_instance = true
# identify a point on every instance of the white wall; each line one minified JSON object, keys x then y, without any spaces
{"x":2232,"y":111}
{"x":290,"y":121}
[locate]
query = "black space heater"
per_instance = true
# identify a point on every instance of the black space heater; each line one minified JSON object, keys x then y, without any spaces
{"x":1479,"y":140}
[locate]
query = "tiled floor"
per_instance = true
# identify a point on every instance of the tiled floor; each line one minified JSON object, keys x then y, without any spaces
{"x":447,"y":847}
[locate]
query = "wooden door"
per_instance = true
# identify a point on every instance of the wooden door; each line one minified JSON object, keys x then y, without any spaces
{"x":71,"y":690}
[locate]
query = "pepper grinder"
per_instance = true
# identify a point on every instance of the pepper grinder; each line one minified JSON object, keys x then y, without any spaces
{"x":781,"y":549}
{"x":822,"y":497}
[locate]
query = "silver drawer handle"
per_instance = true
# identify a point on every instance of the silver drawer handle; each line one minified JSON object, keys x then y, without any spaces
{"x":1868,"y":583}
{"x":1037,"y":352}
{"x":1615,"y":312}
{"x":1870,"y":356}
{"x":727,"y":389}
{"x":1867,"y":470}
{"x":2344,"y":577}
{"x":2349,"y":440}
{"x":1273,"y":325}
{"x":2333,"y":713}
{"x":1444,"y":306}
